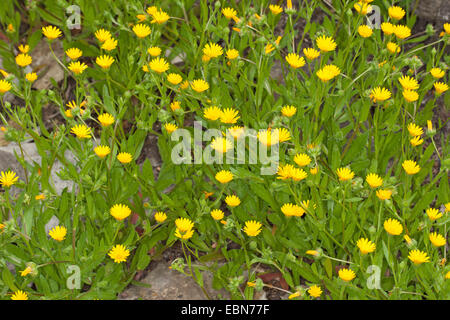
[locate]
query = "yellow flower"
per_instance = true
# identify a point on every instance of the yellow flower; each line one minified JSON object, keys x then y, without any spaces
{"x":294,"y":295}
{"x":387,"y":28}
{"x":8,"y":178}
{"x":120,"y":211}
{"x":72,"y":105}
{"x":26,"y":271}
{"x":418,"y":257}
{"x":302,"y":159}
{"x":396,"y":13}
{"x":365,"y":31}
{"x":175,"y":105}
{"x":160,"y":217}
{"x":311,"y":53}
{"x":437,"y":240}
{"x":414,"y":130}
{"x":362,"y":7}
{"x":326,"y":44}
{"x":51,"y":32}
{"x":437,"y":73}
{"x":233,"y":201}
{"x":345,"y":174}
{"x":102,"y":35}
{"x":152,"y":10}
{"x":124,"y":157}
{"x":81,"y":131}
{"x":447,"y":275}
{"x":159,"y":65}
{"x":393,"y":47}
{"x":23,"y":59}
{"x":314,"y":170}
{"x":229,"y":115}
{"x":393,"y":227}
{"x":4,"y":73}
{"x":252,"y":228}
{"x":19,"y":295}
{"x":298,"y":174}
{"x":40,"y":197}
{"x":440,"y":87}
{"x":295,"y":61}
{"x":109,"y":44}
{"x":141,"y":17}
{"x":447,"y":207}
{"x":170,"y":127}
{"x":447,"y":28}
{"x":408,"y":83}
{"x":174,"y":78}
{"x":160,"y":17}
{"x":433,"y":214}
{"x":288,"y":111}
{"x":328,"y":72}
{"x":380,"y":94}
{"x":212,"y":50}
{"x":232,"y":54}
{"x":184,"y":235}
{"x":290,"y":210}
{"x":104,"y":61}
{"x":366,"y":246}
{"x":10,"y":28}
{"x":285,"y":172}
{"x":221,"y":144}
{"x":269,"y":47}
{"x":236,"y":131}
{"x":105,"y":119}
{"x":229,"y":13}
{"x":199,"y":85}
{"x":416,"y":141}
{"x":74,"y":53}
{"x":119,"y":253}
{"x":275,"y":9}
{"x":312,"y":252}
{"x":212,"y":113}
{"x":77,"y":67}
{"x":374,"y":180}
{"x":24,"y":48}
{"x":5,"y":86}
{"x":402,"y":31}
{"x":102,"y":151}
{"x":31,"y":76}
{"x":410,"y":167}
{"x":410,"y":95}
{"x":346,"y":274}
{"x":224,"y":176}
{"x":217,"y":214}
{"x":141,"y":30}
{"x":384,"y":194}
{"x":184,"y":224}
{"x":154,"y":51}
{"x":315,"y":291}
{"x":58,"y":233}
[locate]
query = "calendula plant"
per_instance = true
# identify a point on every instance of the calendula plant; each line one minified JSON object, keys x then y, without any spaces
{"x":317,"y":153}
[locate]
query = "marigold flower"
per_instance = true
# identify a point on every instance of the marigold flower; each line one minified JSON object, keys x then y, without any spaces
{"x":384,"y":194}
{"x":393,"y":227}
{"x":106,"y":119}
{"x":396,"y":13}
{"x":120,"y":211}
{"x":160,"y":17}
{"x":374,"y":180}
{"x":285,"y":172}
{"x":365,"y":31}
{"x":26,"y":271}
{"x":315,"y":291}
{"x":81,"y":131}
{"x":58,"y":233}
{"x":212,"y":50}
{"x":433,"y":214}
{"x":236,"y":131}
{"x":387,"y":28}
{"x":314,"y":170}
{"x":102,"y":151}
{"x":141,"y":17}
{"x":212,"y":113}
{"x":109,"y":44}
{"x":290,"y":210}
{"x":224,"y":176}
{"x":447,"y":275}
{"x":40,"y":197}
{"x":345,"y":174}
{"x":365,"y":246}
{"x":170,"y":127}
{"x":410,"y":167}
{"x":174,"y":78}
{"x":410,"y":95}
{"x":447,"y":28}
{"x":8,"y":178}
{"x":418,"y":257}
{"x":326,"y":44}
{"x":217,"y":214}
{"x":302,"y":159}
{"x":416,"y":141}
{"x":252,"y":228}
{"x":298,"y":174}
{"x":440,"y":87}
{"x":199,"y":85}
{"x":328,"y":72}
{"x":311,"y":53}
{"x":124,"y":157}
{"x":295,"y":61}
{"x":229,"y":13}
{"x":152,"y":10}
{"x":74,"y":53}
{"x":229,"y":115}
{"x":5,"y":86}
{"x":275,"y":9}
{"x":51,"y":32}
{"x":24,"y":48}
{"x":160,"y":217}
{"x":408,"y":83}
{"x":19,"y":295}
{"x":184,"y":224}
{"x":77,"y":67}
{"x":184,"y":235}
{"x":437,"y":73}
{"x":102,"y":35}
{"x":232,"y":54}
{"x":288,"y":111}
{"x":154,"y":51}
{"x":402,"y":31}
{"x":31,"y":76}
{"x":380,"y":94}
{"x":221,"y":144}
{"x":104,"y":61}
{"x":23,"y":59}
{"x":141,"y":30}
{"x":175,"y":105}
{"x":119,"y":253}
{"x":437,"y":240}
{"x":233,"y":201}
{"x":346,"y":274}
{"x":414,"y":130}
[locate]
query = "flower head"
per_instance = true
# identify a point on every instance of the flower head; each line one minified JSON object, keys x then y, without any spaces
{"x":23,"y":59}
{"x":217,"y":214}
{"x":104,"y":61}
{"x":410,"y":167}
{"x":402,"y":31}
{"x":345,"y":174}
{"x":374,"y":180}
{"x":74,"y":53}
{"x":380,"y":94}
{"x":302,"y":159}
{"x":229,"y":13}
{"x":232,"y":54}
{"x":119,"y":253}
{"x":24,"y":48}
{"x":109,"y":44}
{"x":362,"y":7}
{"x":436,"y":239}
{"x":174,"y":78}
{"x":393,"y":47}
{"x":212,"y":113}
{"x":365,"y":246}
{"x":387,"y":28}
{"x":154,"y":51}
{"x":295,"y":61}
{"x":433,"y":214}
{"x":120,"y":211}
{"x":81,"y":131}
{"x":384,"y":194}
{"x":311,"y":53}
{"x":414,"y":130}
{"x":365,"y":31}
{"x":290,"y":210}
{"x":159,"y":65}
{"x":19,"y":295}
{"x":252,"y":228}
{"x":236,"y":131}
{"x":175,"y":105}
{"x":328,"y":72}
{"x":124,"y":157}
{"x":288,"y":111}
{"x":5,"y":86}
{"x":160,"y":17}
{"x":160,"y":217}
{"x":184,"y":224}
{"x":437,"y":73}
{"x":440,"y":87}
{"x":393,"y":227}
{"x":8,"y":178}
{"x":224,"y":176}
{"x":418,"y":257}
{"x":141,"y":30}
{"x":102,"y":151}
{"x":416,"y":141}
{"x":102,"y":35}
{"x":326,"y":44}
{"x":212,"y":50}
{"x":58,"y":233}
{"x":346,"y":274}
{"x":77,"y":67}
{"x":396,"y":13}
{"x":170,"y":127}
{"x":199,"y":85}
{"x":408,"y":83}
{"x":51,"y":32}
{"x":106,"y":119}
{"x":221,"y":144}
{"x":315,"y":291}
{"x":229,"y":115}
{"x":275,"y":9}
{"x":233,"y":201}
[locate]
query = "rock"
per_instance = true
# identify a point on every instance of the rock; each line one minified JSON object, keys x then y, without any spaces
{"x":43,"y":59}
{"x":434,"y":10}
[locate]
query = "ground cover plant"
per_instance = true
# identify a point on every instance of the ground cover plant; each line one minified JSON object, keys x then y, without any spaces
{"x":355,"y":208}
